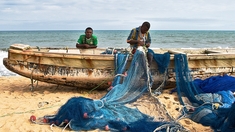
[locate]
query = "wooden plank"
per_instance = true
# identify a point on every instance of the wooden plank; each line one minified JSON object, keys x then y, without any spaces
{"x":58,"y":51}
{"x":20,"y":46}
{"x":175,"y":52}
{"x":75,"y":51}
{"x":220,"y":51}
{"x":212,"y":51}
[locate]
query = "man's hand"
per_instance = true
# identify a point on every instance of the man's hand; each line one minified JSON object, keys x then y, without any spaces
{"x":140,"y":43}
{"x":147,"y":45}
{"x":86,"y":45}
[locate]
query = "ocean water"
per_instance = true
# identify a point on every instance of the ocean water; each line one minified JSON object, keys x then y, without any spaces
{"x":115,"y":38}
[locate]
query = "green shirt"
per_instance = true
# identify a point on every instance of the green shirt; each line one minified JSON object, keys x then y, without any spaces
{"x":83,"y":40}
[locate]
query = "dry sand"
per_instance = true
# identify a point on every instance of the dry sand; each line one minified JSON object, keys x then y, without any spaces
{"x":18,"y":103}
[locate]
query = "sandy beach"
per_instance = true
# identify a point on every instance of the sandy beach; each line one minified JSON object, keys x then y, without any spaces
{"x":18,"y":103}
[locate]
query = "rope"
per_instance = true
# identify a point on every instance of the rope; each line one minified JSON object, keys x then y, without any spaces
{"x":168,"y":129}
{"x":29,"y":111}
{"x":66,"y":126}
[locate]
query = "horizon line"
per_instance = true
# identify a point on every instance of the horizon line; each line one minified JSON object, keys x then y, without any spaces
{"x":121,"y":30}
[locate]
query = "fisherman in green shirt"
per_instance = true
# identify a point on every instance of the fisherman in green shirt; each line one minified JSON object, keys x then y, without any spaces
{"x":88,"y":40}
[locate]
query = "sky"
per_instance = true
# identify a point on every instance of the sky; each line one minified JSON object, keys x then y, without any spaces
{"x":117,"y":14}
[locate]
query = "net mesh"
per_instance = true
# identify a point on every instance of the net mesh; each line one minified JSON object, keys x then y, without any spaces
{"x":212,"y":100}
{"x":118,"y":109}
{"x":211,"y":103}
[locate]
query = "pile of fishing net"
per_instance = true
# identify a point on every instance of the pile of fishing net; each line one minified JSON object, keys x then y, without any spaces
{"x":118,"y":109}
{"x":212,"y":100}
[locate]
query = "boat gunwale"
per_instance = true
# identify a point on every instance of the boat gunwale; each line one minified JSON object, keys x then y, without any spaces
{"x":111,"y":56}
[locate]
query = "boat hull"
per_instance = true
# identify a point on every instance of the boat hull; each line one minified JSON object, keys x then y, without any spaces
{"x":90,"y":69}
{"x":82,"y":78}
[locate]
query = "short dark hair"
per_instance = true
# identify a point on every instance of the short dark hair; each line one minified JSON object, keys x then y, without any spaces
{"x":89,"y":28}
{"x":147,"y":24}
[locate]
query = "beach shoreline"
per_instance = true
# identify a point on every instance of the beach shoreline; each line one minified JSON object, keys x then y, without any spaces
{"x":19,"y":103}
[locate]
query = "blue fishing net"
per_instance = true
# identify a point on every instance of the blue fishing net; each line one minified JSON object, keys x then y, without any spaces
{"x":184,"y":81}
{"x":110,"y":112}
{"x":210,"y":109}
{"x":120,"y":67}
{"x":216,"y":83}
{"x":162,"y":60}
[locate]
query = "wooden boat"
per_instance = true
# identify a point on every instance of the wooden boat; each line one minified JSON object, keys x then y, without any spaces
{"x":90,"y":69}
